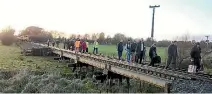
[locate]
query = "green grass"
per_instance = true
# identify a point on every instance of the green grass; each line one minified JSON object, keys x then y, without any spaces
{"x":110,"y":50}
{"x":11,"y":59}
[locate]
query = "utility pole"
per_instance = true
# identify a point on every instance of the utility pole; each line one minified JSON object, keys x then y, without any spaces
{"x":153,"y":18}
{"x":207,"y":41}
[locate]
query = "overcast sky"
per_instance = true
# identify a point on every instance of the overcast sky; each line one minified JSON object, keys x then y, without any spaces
{"x":131,"y":17}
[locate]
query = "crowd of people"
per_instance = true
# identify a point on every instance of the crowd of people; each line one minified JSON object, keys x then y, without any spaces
{"x":135,"y":51}
{"x":77,"y":45}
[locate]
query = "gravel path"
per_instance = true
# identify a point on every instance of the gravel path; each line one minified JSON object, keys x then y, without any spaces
{"x":191,"y":86}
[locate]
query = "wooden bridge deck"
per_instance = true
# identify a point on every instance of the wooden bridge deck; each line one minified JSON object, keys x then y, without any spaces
{"x":156,"y":76}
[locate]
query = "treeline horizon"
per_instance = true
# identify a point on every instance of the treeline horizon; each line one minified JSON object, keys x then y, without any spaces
{"x":40,"y":35}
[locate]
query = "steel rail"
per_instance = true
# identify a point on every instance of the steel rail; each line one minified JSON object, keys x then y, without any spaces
{"x":155,"y":71}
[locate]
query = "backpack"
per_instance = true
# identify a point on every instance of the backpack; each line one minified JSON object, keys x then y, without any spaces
{"x":157,"y":59}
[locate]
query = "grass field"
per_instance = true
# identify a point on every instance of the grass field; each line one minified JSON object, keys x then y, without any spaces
{"x":11,"y":59}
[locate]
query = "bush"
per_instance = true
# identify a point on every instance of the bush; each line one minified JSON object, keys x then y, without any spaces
{"x":7,"y":41}
{"x":7,"y":36}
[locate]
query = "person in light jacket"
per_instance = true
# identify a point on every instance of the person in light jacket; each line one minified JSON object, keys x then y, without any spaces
{"x":95,"y":48}
{"x":128,"y":50}
{"x":87,"y":45}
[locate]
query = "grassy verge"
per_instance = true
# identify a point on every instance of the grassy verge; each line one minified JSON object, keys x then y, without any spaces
{"x":11,"y":59}
{"x":28,"y":82}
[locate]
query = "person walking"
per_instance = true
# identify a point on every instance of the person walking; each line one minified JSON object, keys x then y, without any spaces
{"x":140,"y":51}
{"x":133,"y":48}
{"x":120,"y":49}
{"x":53,"y":42}
{"x":81,"y":43}
{"x":128,"y":50}
{"x":84,"y":46}
{"x":144,"y":54}
{"x":68,"y":45}
{"x":77,"y":45}
{"x":72,"y":45}
{"x":87,"y":45}
{"x":172,"y":55}
{"x":196,"y":55}
{"x":95,"y":48}
{"x":152,"y":54}
{"x":48,"y":42}
{"x":57,"y":42}
{"x":64,"y":43}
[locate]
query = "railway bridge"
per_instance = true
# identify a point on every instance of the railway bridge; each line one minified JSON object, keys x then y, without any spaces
{"x":153,"y":75}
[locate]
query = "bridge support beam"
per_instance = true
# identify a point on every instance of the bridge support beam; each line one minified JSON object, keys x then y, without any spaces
{"x":167,"y":88}
{"x":116,"y":69}
{"x":140,"y":86}
{"x":128,"y":84}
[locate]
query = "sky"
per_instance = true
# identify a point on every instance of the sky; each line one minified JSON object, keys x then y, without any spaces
{"x":130,"y":17}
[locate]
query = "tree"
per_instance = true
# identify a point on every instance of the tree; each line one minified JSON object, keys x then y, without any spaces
{"x":55,"y":34}
{"x":148,"y":42}
{"x":101,"y":37}
{"x":74,"y":36}
{"x":184,"y":48}
{"x":86,"y":36}
{"x":36,"y":34}
{"x":117,"y":37}
{"x":163,"y":43}
{"x":108,"y":39}
{"x":7,"y":36}
{"x":94,"y":36}
{"x":78,"y":36}
{"x":32,"y":30}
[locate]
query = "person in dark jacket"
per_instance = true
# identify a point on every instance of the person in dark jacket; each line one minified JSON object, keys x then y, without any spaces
{"x":120,"y":49}
{"x":152,"y":54}
{"x":64,"y":43}
{"x":57,"y":42}
{"x":68,"y":44}
{"x":72,"y":44}
{"x":133,"y":48}
{"x":144,"y":54}
{"x":196,"y":55}
{"x":139,"y":51}
{"x":53,"y":42}
{"x":80,"y":48}
{"x":172,"y":55}
{"x":48,"y":42}
{"x":84,"y":46}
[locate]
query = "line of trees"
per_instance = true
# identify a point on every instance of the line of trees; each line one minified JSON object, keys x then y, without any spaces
{"x":38,"y":34}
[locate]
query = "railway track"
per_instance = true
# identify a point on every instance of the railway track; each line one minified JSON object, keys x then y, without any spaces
{"x":158,"y":71}
{"x":169,"y":74}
